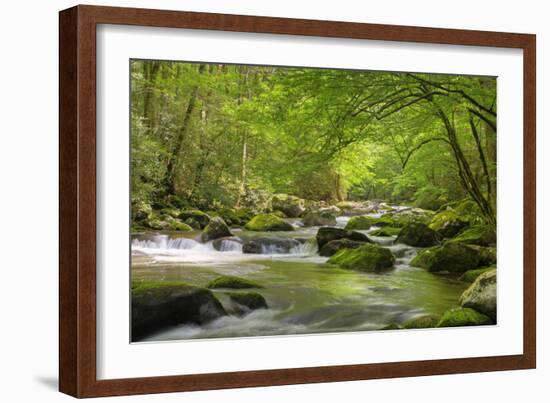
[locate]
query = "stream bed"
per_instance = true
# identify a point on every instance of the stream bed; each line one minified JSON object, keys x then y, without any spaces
{"x":304,"y":293}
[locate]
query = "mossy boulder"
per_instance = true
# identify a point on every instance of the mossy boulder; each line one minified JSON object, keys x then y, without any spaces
{"x":447,"y":224}
{"x":417,"y":234}
{"x":482,"y":294}
{"x":177,"y":225}
{"x":367,"y":258}
{"x":487,"y":254}
{"x":160,"y":304}
{"x":268,"y":222}
{"x":269,"y":245}
{"x":471,"y":275}
{"x":232,"y":282}
{"x":327,"y":234}
{"x":360,"y":222}
{"x":385,"y":232}
{"x":215,"y":229}
{"x":482,"y":235}
{"x":292,"y":206}
{"x":319,"y":218}
{"x":141,"y":211}
{"x":452,"y":257}
{"x":192,"y":216}
{"x":330,"y":248}
{"x":463,"y":317}
{"x":422,"y":322}
{"x":250,"y":300}
{"x":235,"y":217}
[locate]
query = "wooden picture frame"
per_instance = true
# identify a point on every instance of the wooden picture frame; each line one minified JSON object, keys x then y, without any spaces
{"x":77,"y":181}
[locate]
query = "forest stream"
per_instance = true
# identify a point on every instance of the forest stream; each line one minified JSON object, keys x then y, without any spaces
{"x":304,"y":293}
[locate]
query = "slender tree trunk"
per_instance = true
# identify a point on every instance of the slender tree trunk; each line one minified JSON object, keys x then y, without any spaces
{"x":173,"y":161}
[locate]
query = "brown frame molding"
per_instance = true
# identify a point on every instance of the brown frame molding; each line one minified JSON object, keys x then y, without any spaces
{"x":77,"y":195}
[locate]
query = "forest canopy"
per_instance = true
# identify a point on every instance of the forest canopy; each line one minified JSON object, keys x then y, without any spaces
{"x":213,"y":136}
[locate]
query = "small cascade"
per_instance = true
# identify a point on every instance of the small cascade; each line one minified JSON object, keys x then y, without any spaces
{"x":228,"y":245}
{"x":164,"y":242}
{"x":305,"y":248}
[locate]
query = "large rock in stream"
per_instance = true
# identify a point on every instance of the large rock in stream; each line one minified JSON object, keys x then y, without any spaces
{"x":291,"y":206}
{"x":327,"y":234}
{"x":195,"y":218}
{"x":447,"y":223}
{"x":482,"y":235}
{"x":367,"y":258}
{"x":463,"y":317}
{"x":216,"y":228}
{"x":417,"y":234}
{"x":268,"y":222}
{"x":330,"y":248}
{"x":160,"y":304}
{"x":319,"y":218}
{"x":482,"y":294}
{"x":452,"y":257}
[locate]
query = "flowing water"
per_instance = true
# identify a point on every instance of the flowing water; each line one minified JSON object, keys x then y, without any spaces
{"x":304,"y":293}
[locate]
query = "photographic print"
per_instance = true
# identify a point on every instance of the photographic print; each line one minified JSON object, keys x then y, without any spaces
{"x":272,"y":200}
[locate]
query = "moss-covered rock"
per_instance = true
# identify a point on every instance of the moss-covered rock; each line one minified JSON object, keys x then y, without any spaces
{"x":268,"y":222}
{"x":327,"y":234}
{"x":292,"y":206}
{"x":482,"y":294}
{"x":447,"y":223}
{"x":235,"y":217}
{"x":141,"y":211}
{"x":177,"y":225}
{"x":360,"y":222}
{"x":320,"y":218}
{"x":422,"y":322}
{"x":463,"y":317}
{"x":482,"y":235}
{"x":159,"y":304}
{"x":470,"y":275}
{"x":232,"y":282}
{"x":367,"y":258}
{"x":215,"y":229}
{"x":170,"y":212}
{"x":330,"y":248}
{"x":192,"y":216}
{"x":452,"y":257}
{"x":385,"y":232}
{"x":250,"y":300}
{"x":417,"y":234}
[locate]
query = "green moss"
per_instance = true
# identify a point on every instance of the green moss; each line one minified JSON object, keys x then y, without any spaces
{"x":215,"y":229}
{"x":251,"y":300}
{"x":417,"y":234}
{"x":139,"y":286}
{"x":332,"y":247}
{"x":327,"y":234}
{"x":451,"y":257}
{"x":482,"y":235}
{"x":368,"y":258}
{"x":385,"y":232}
{"x":447,"y":223}
{"x":422,"y":322}
{"x":268,"y":222}
{"x":463,"y":317}
{"x":232,"y":282}
{"x":195,"y":216}
{"x":177,"y":225}
{"x":471,"y":275}
{"x":359,"y":223}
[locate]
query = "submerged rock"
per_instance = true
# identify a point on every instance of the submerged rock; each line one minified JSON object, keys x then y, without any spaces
{"x":319,"y":218}
{"x":267,"y":245}
{"x":330,"y":248}
{"x":463,"y":317}
{"x":215,"y":229}
{"x":327,"y":234}
{"x":159,"y":304}
{"x":232,"y":282}
{"x":268,"y":222}
{"x":250,"y":300}
{"x":482,"y":294}
{"x":452,"y":257}
{"x":292,"y":206}
{"x":195,"y":216}
{"x":417,"y":234}
{"x":482,"y":235}
{"x":422,"y":322}
{"x":367,"y":258}
{"x":447,"y":224}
